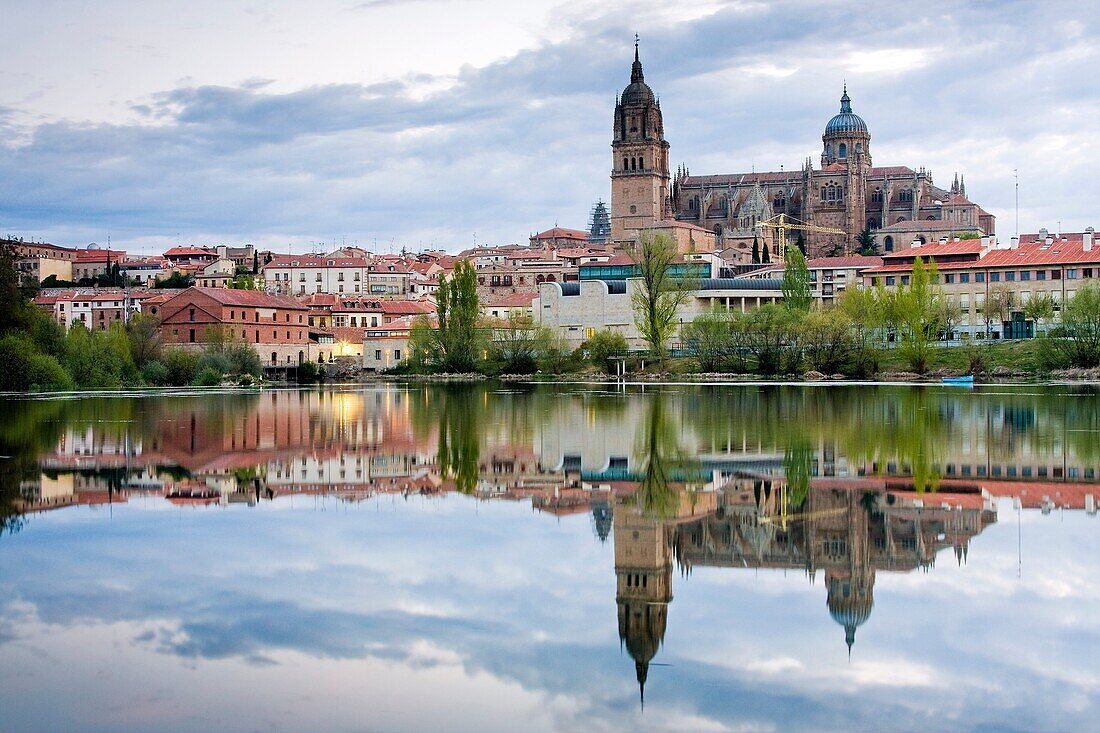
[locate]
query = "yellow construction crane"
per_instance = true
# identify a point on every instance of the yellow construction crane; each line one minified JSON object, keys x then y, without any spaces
{"x":784,"y":223}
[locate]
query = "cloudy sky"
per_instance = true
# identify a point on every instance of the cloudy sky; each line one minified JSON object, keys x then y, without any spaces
{"x":423,"y":123}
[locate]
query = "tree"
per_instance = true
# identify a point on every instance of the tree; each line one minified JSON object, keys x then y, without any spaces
{"x":828,"y":343}
{"x":1040,"y":309}
{"x":765,"y":254}
{"x":144,"y":333}
{"x":458,"y":316}
{"x":866,"y":242}
{"x":800,"y":242}
{"x":915,"y":312}
{"x":1080,"y":331}
{"x":755,"y":249}
{"x":796,"y":282}
{"x":708,"y":339}
{"x":603,"y":345}
{"x":950,"y":315}
{"x":767,"y":335}
{"x":657,"y":296}
{"x":516,"y":344}
{"x":997,"y":306}
{"x":176,"y":280}
{"x":255,"y":262}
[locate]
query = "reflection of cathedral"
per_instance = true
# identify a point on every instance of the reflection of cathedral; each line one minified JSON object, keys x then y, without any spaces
{"x":847,"y":531}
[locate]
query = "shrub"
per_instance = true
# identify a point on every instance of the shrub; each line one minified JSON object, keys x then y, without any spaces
{"x":182,"y":366}
{"x":208,"y":377}
{"x":155,"y":373}
{"x":602,"y":346}
{"x":215,"y":361}
{"x":307,"y":372}
{"x":23,"y":367}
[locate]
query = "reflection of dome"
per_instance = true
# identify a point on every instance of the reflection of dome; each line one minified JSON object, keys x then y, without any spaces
{"x":849,"y":604}
{"x":847,"y":121}
{"x":637,"y":92}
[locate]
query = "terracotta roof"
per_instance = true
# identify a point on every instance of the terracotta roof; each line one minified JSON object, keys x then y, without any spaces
{"x":1028,"y":254}
{"x":510,"y":300}
{"x":350,"y":334}
{"x":935,"y":249}
{"x":99,"y":255}
{"x":562,"y":233}
{"x":839,"y":262}
{"x":249,"y":298}
{"x":315,"y":261}
{"x":191,"y":252}
{"x":891,"y":170}
{"x":407,"y":307}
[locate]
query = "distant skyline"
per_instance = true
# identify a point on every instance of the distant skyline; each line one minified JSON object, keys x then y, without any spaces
{"x":427,"y":123}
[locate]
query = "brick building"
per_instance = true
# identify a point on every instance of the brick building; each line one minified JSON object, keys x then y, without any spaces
{"x":275,"y":326}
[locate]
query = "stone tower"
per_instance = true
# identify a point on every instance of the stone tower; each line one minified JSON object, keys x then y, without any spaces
{"x":639,"y":173}
{"x":845,"y":162}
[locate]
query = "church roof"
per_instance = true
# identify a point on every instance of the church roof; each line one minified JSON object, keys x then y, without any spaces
{"x":847,"y":120}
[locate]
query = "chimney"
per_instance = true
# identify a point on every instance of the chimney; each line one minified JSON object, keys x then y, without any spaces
{"x":1043,"y":233}
{"x":1015,"y":243}
{"x":1086,"y":239}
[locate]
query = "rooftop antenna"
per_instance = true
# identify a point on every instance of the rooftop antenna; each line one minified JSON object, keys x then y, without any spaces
{"x":1016,"y":174}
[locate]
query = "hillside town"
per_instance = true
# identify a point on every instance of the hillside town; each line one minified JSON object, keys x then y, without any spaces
{"x":858,"y":226}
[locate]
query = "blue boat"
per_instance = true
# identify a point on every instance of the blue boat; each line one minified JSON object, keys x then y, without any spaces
{"x":966,"y":381}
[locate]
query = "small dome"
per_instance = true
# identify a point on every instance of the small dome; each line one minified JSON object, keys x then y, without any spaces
{"x":847,"y":121}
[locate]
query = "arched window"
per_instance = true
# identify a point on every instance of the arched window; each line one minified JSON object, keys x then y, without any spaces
{"x":832,"y":193}
{"x":301,"y":357}
{"x":633,"y":164}
{"x":274,"y":358}
{"x":779,"y":202}
{"x":718,"y":230}
{"x":551,"y":278}
{"x":876,"y":196}
{"x":843,"y":149}
{"x":859,"y":147}
{"x":540,"y":279}
{"x":888,"y":243}
{"x":626,"y":167}
{"x":906,"y":195}
{"x":872,"y":223}
{"x":641,"y":162}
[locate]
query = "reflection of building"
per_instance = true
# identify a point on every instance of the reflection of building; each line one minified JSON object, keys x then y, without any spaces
{"x":849,"y":529}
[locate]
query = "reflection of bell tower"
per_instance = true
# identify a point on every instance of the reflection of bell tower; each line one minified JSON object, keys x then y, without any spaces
{"x":643,"y":572}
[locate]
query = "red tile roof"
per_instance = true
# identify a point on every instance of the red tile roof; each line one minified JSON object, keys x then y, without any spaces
{"x":191,"y":252}
{"x":315,"y":261}
{"x":562,"y":233}
{"x":407,"y":307}
{"x":350,"y":334}
{"x":929,"y":225}
{"x":249,"y":298}
{"x":935,"y":249}
{"x":510,"y":300}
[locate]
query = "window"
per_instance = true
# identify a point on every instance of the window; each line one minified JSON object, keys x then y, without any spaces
{"x":1010,"y":277}
{"x":979,"y":277}
{"x":191,"y":336}
{"x":1025,"y":274}
{"x":397,"y":354}
{"x":1040,"y":274}
{"x":888,"y":243}
{"x":994,"y":277}
{"x":843,"y":150}
{"x":948,"y":279}
{"x":378,"y":354}
{"x":964,"y":277}
{"x":191,"y":315}
{"x":906,"y":195}
{"x":1071,"y":274}
{"x":890,"y":280}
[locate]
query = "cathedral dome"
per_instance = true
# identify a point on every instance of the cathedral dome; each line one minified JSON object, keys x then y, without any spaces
{"x":637,"y":92}
{"x":847,"y":121}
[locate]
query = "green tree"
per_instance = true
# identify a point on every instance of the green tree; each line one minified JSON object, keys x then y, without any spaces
{"x":766,"y":254}
{"x":1079,"y":340}
{"x":865,"y":241}
{"x":602,"y":346}
{"x":800,"y":242}
{"x":458,"y":338}
{"x":657,"y":296}
{"x":796,"y":282}
{"x":767,"y":336}
{"x":755,"y":249}
{"x":916,"y":312}
{"x":1040,"y":309}
{"x":516,"y":343}
{"x":709,"y":339}
{"x":143,"y":332}
{"x":997,"y":307}
{"x":828,"y":343}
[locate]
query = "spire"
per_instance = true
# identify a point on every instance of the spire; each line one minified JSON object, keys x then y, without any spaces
{"x":845,"y":100}
{"x":636,"y":69}
{"x":850,"y":637}
{"x":643,"y":672}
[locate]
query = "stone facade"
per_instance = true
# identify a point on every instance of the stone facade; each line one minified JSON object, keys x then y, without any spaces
{"x":846,"y":192}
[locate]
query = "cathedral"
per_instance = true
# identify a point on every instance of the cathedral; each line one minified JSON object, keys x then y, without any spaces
{"x":900,"y":205}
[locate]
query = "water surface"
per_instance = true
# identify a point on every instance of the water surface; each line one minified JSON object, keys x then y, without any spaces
{"x":563,"y":558}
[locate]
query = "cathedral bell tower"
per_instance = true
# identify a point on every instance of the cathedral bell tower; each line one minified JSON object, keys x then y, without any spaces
{"x":845,"y":167}
{"x":639,"y":173}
